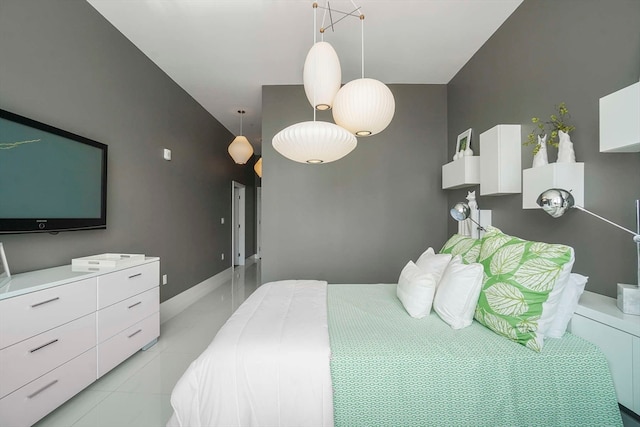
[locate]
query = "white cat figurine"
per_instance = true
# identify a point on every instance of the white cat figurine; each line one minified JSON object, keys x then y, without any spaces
{"x":540,"y":158}
{"x":471,"y":198}
{"x":565,"y":149}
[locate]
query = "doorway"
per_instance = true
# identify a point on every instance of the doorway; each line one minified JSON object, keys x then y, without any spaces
{"x":259,"y":222}
{"x":238,"y":223}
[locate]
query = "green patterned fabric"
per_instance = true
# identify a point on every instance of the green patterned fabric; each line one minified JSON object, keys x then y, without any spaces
{"x":467,"y":247}
{"x":389,"y":369}
{"x":518,"y":277}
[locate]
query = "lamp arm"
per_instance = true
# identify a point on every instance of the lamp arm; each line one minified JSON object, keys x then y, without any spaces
{"x":636,"y":236}
{"x":481,"y":228}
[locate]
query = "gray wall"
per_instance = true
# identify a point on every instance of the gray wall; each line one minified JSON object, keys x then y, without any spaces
{"x":63,"y":64}
{"x":361,"y":218}
{"x":547,"y":52}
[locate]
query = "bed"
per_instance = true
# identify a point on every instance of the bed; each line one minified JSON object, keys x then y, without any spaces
{"x":305,"y":353}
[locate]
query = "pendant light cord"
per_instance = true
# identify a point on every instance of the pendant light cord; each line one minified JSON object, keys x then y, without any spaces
{"x":315,"y":61}
{"x":362,"y":42}
{"x":241,"y":112}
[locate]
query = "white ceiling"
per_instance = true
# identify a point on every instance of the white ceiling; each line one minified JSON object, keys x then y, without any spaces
{"x":222,"y":52}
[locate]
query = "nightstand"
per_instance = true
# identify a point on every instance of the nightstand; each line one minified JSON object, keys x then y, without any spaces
{"x":598,"y":320}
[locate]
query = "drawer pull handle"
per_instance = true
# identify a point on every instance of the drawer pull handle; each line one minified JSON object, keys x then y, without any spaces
{"x":45,"y":302}
{"x":138,"y":303}
{"x":135,"y":333}
{"x":34,"y":394}
{"x":135,"y":275}
{"x":43,"y":346}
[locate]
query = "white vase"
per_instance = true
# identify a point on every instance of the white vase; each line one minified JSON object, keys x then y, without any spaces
{"x":541,"y":158}
{"x":468,"y":151}
{"x":565,"y":149}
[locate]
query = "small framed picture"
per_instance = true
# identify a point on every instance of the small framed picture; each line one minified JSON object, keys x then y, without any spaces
{"x":463,"y":144}
{"x":5,"y":275}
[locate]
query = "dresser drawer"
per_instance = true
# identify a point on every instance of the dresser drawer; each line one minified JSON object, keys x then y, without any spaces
{"x":120,"y":285}
{"x":27,"y":360}
{"x":24,"y":316}
{"x":122,"y":315}
{"x":28,"y":404}
{"x":121,"y":346}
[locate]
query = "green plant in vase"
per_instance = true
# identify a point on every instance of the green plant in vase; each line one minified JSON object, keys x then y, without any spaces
{"x":551,"y":128}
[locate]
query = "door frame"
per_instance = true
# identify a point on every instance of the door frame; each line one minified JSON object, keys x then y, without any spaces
{"x":238,"y":207}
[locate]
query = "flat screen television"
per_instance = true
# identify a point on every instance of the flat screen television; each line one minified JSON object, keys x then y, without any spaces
{"x":50,"y":180}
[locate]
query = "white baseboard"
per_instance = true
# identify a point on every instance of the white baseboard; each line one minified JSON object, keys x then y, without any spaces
{"x":178,"y":303}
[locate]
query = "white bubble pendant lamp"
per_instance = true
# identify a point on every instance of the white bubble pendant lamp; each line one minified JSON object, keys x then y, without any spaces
{"x":314,"y":142}
{"x":240,"y":149}
{"x":364,"y":106}
{"x":321,"y":75}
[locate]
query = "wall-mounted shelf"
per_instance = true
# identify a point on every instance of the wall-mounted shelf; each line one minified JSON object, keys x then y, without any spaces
{"x":620,"y":121}
{"x":568,"y":176}
{"x":500,"y":162}
{"x":463,"y":172}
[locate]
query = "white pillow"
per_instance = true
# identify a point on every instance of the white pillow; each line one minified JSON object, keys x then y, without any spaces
{"x":567,"y":305}
{"x":550,"y":306}
{"x":458,"y":293}
{"x":433,"y":263}
{"x":416,"y":290}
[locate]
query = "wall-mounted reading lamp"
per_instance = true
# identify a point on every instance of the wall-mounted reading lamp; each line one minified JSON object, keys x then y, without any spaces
{"x":556,"y":202}
{"x":461,"y":211}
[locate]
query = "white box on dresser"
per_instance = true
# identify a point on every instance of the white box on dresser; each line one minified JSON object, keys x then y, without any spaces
{"x":598,"y":320}
{"x":55,"y":326}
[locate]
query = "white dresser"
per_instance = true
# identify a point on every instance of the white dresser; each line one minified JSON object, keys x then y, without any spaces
{"x":60,"y":330}
{"x":598,"y":320}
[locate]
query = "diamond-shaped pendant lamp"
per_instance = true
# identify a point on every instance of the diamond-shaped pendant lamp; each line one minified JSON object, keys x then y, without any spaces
{"x":240,"y":148}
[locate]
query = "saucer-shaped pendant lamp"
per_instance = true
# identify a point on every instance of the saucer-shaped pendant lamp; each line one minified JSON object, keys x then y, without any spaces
{"x":314,"y":142}
{"x":240,"y":148}
{"x":258,"y":167}
{"x":364,"y":107}
{"x":321,"y":75}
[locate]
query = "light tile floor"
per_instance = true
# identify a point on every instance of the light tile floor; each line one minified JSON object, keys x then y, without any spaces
{"x":136,"y":393}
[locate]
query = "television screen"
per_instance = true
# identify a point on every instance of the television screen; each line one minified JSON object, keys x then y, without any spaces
{"x":50,"y":179}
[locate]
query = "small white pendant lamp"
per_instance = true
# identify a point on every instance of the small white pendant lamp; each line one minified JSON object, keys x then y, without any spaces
{"x":364,"y":106}
{"x":240,"y":149}
{"x":258,"y":167}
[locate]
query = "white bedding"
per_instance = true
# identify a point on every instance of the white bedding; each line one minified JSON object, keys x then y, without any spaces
{"x":268,"y":365}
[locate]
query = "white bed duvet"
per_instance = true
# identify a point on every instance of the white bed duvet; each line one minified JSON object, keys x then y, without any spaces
{"x":268,"y":365}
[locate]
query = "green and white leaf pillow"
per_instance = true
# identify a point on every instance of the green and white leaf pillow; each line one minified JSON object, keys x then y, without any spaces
{"x":519,"y":278}
{"x":467,"y":247}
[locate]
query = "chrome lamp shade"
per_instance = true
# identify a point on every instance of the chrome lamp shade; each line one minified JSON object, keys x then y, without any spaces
{"x":555,"y":201}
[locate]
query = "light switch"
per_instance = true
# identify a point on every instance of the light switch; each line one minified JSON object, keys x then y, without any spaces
{"x":167,"y":154}
{"x":221,"y":220}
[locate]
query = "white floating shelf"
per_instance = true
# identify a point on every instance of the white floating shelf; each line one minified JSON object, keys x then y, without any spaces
{"x":500,"y":162}
{"x":463,"y":172}
{"x":620,"y":121}
{"x":568,"y":176}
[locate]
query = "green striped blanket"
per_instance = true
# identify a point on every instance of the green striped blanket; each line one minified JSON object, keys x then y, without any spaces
{"x":389,"y":369}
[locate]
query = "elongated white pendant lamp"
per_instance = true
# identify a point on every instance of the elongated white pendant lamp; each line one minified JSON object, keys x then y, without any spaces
{"x":364,"y":106}
{"x":240,"y":149}
{"x":321,"y":75}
